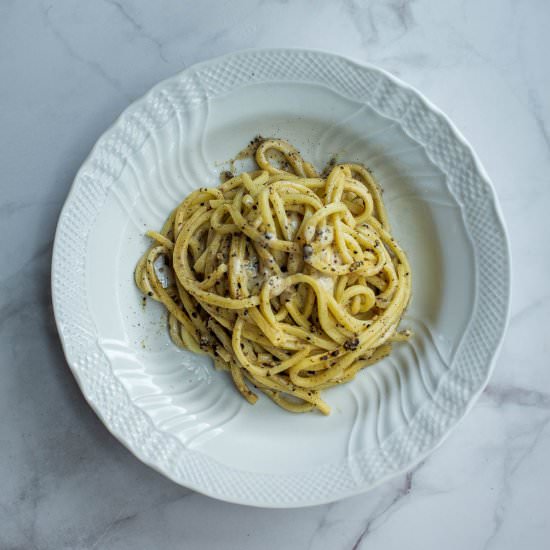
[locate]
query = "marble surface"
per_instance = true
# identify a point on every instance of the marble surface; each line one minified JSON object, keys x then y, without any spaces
{"x":67,"y":70}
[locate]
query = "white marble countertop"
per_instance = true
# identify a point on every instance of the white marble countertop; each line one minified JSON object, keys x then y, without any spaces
{"x":67,"y":69}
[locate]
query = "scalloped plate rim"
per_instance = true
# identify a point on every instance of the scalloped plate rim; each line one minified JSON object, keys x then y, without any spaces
{"x":336,"y":495}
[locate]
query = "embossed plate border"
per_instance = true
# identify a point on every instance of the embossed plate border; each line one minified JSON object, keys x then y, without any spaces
{"x":458,"y":389}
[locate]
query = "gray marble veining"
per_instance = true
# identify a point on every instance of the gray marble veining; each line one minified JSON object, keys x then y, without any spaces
{"x":67,"y":69}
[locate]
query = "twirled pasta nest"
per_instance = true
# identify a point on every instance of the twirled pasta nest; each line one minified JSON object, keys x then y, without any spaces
{"x":289,"y":280}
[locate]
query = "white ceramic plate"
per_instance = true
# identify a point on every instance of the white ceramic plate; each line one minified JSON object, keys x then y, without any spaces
{"x":170,"y":407}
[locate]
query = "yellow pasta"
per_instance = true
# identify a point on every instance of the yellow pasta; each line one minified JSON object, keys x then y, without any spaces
{"x":290,"y":281}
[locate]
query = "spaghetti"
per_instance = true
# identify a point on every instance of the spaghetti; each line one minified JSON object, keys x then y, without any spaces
{"x":290,"y":281}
